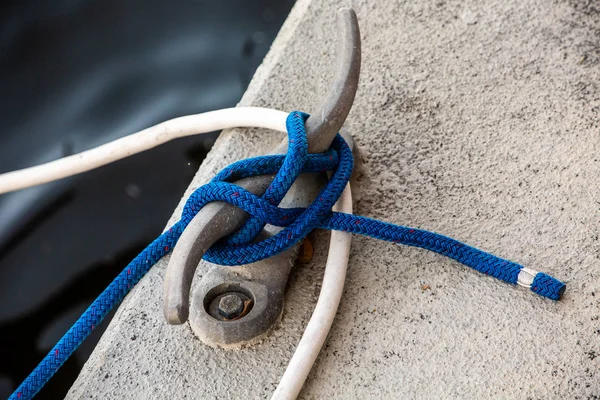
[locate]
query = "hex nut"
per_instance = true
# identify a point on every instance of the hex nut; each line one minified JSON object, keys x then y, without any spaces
{"x":231,"y":306}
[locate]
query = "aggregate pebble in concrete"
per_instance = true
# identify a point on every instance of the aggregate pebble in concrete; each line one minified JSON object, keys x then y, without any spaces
{"x":476,"y":119}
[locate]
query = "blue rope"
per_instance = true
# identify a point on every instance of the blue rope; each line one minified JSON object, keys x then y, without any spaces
{"x":240,"y":248}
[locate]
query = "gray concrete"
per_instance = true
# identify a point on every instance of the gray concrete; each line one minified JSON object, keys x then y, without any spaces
{"x":476,"y":119}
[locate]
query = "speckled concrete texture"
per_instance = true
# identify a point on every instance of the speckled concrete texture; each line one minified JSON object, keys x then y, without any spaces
{"x":476,"y":119}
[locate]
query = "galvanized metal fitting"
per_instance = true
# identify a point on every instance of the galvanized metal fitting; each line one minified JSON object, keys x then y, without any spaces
{"x":264,"y":282}
{"x":231,"y":306}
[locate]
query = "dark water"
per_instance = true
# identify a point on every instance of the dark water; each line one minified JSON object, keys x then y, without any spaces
{"x":75,"y":74}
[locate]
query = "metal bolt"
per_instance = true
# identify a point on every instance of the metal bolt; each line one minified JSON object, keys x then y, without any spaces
{"x":231,"y":306}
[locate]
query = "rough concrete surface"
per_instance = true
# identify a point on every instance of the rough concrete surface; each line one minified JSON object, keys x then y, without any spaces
{"x":476,"y":119}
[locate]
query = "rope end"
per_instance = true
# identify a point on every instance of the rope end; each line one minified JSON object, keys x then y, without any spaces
{"x":547,"y":286}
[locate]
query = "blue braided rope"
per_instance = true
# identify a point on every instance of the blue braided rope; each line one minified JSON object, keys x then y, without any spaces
{"x":240,"y":248}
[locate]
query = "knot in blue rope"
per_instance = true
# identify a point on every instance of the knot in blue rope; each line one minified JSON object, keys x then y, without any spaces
{"x":240,"y":248}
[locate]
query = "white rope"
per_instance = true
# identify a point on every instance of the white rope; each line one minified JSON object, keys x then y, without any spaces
{"x":143,"y":140}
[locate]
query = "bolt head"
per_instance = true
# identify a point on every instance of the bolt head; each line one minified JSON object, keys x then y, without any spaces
{"x":231,"y":306}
